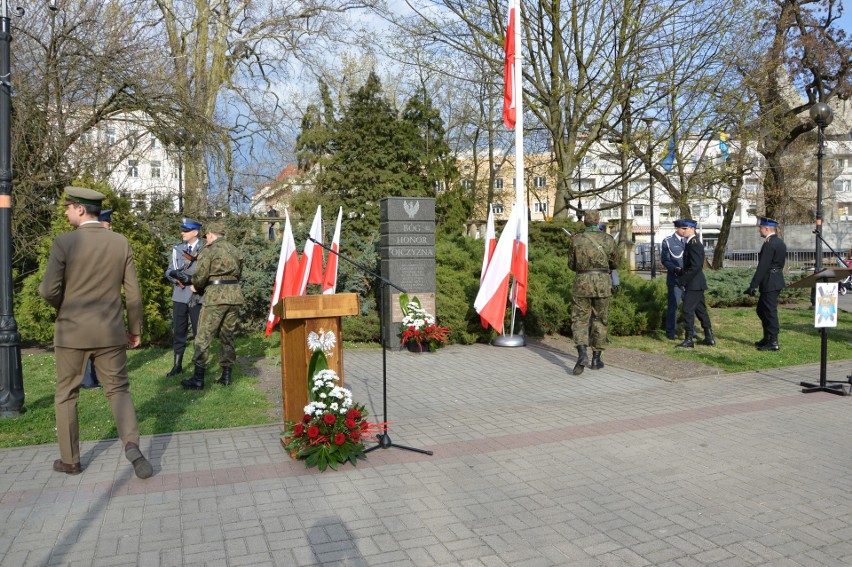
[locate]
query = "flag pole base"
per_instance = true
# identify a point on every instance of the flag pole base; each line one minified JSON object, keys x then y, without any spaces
{"x":509,"y":341}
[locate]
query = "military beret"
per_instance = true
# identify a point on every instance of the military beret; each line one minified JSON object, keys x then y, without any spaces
{"x":766,"y":221}
{"x":684,"y":223}
{"x":105,"y":216}
{"x":187,"y":224}
{"x":83,"y":196}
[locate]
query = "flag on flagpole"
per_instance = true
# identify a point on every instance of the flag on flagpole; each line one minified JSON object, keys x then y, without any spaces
{"x":668,"y":161}
{"x":490,"y":245}
{"x":310,"y":266}
{"x":329,"y":284}
{"x":509,"y":102}
{"x":490,"y":302}
{"x":286,"y":274}
{"x":520,"y":262}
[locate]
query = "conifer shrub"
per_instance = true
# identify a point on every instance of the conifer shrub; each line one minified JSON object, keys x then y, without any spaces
{"x":36,"y":318}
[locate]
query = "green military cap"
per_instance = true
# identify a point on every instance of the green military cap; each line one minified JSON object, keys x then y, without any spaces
{"x":216,"y":227}
{"x":83,"y":196}
{"x":592,"y":218}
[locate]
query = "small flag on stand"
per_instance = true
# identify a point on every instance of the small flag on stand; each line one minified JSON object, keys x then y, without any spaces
{"x":490,"y":302}
{"x":490,"y":245}
{"x":286,"y":274}
{"x":310,"y":266}
{"x":329,"y":284}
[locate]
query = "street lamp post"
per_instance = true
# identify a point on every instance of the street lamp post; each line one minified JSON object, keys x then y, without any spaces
{"x":821,"y":114}
{"x":11,"y":379}
{"x":649,"y":121}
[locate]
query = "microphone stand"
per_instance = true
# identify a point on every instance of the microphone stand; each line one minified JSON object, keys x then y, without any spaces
{"x":384,"y":440}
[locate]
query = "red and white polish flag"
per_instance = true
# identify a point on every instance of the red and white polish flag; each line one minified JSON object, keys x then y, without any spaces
{"x":490,"y":245}
{"x":490,"y":302}
{"x":520,"y":261}
{"x":286,"y":274}
{"x":509,"y":103}
{"x":311,"y":262}
{"x":329,"y":284}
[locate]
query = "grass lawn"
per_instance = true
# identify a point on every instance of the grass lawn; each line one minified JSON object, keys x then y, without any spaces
{"x":736,"y":329}
{"x":162,"y":406}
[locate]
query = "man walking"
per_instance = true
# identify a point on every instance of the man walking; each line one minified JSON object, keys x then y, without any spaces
{"x":186,"y":304}
{"x":769,"y":279}
{"x":593,"y":256}
{"x":85,"y":273}
{"x":692,"y":281}
{"x":217,"y":276}
{"x":671,"y":256}
{"x":271,"y":213}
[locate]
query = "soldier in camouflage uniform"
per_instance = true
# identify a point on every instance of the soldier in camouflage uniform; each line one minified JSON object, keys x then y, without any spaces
{"x":217,"y":276}
{"x":594,"y":257}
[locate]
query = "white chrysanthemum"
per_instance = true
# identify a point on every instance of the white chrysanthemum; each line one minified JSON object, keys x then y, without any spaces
{"x":333,"y":406}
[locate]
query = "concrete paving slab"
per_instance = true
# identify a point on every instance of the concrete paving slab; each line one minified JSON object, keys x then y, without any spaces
{"x":531,"y":466}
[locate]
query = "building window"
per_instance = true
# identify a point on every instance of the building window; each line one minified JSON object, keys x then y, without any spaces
{"x":132,"y":168}
{"x":840,"y":163}
{"x":635,"y":187}
{"x":539,"y":181}
{"x":155,"y":169}
{"x":638,"y":211}
{"x":467,"y":183}
{"x":498,"y":183}
{"x":110,"y":135}
{"x":842,"y":185}
{"x":497,"y":208}
{"x":539,"y":207}
{"x":440,"y":186}
{"x":751,"y":189}
{"x":131,"y":138}
{"x":153,"y":141}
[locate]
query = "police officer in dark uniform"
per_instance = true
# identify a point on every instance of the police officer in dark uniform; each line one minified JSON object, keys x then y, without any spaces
{"x":186,"y":304}
{"x":769,"y":279}
{"x":671,"y":256}
{"x":692,"y":281}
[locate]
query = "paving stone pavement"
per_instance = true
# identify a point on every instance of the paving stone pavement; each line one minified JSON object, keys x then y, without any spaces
{"x":532,"y":467}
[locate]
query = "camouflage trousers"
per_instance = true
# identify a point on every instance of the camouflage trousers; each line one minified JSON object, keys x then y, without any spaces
{"x":586,"y":310}
{"x":221,"y":321}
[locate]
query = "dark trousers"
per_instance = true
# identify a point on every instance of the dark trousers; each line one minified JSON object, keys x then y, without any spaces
{"x":183,"y":315}
{"x":693,"y":306}
{"x":675,"y":297}
{"x":767,"y":311}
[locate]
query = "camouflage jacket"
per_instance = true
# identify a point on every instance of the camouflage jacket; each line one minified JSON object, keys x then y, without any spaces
{"x":592,"y":250}
{"x":219,"y":260}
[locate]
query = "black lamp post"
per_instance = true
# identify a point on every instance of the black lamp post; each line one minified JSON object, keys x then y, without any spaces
{"x":649,"y":121}
{"x":821,"y":114}
{"x":11,"y":379}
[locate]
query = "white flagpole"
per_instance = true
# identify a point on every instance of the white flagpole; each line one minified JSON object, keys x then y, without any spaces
{"x":520,"y":201}
{"x":511,"y":340}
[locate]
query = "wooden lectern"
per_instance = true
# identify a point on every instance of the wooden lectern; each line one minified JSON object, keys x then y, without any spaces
{"x":299,"y":316}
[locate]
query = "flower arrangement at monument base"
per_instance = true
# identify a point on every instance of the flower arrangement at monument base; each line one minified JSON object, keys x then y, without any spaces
{"x":333,"y":428}
{"x":419,"y":329}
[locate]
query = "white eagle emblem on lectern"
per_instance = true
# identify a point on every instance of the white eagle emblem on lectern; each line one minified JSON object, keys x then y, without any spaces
{"x":411,"y":208}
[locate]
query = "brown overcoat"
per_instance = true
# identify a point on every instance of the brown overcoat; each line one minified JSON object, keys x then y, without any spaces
{"x":85,"y":273}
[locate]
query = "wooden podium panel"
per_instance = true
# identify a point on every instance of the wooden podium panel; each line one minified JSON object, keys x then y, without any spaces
{"x":301,"y":315}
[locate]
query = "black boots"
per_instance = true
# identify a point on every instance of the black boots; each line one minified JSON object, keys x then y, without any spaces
{"x":582,"y":360}
{"x":689,"y":341}
{"x":178,"y":367}
{"x":225,"y":380}
{"x":771,"y":343}
{"x":597,"y":363}
{"x":762,"y":342}
{"x":196,"y":382}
